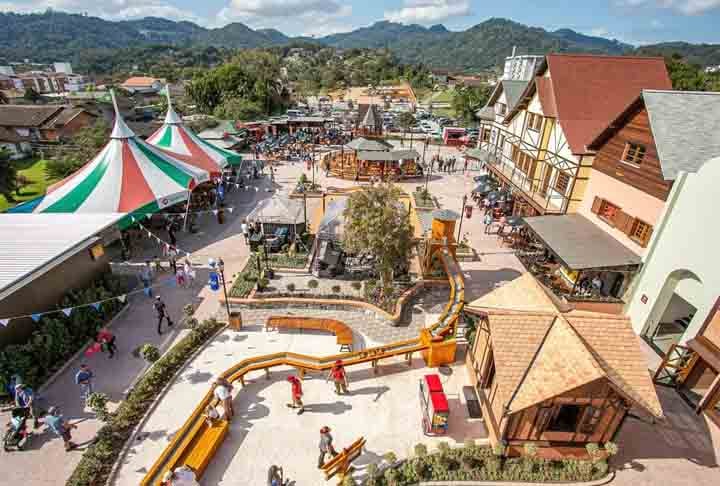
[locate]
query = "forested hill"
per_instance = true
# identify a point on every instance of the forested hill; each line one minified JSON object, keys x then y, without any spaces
{"x":57,"y":36}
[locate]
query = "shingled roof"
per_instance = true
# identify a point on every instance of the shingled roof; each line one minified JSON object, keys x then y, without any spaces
{"x":586,"y":92}
{"x":541,"y":352}
{"x":27,"y":115}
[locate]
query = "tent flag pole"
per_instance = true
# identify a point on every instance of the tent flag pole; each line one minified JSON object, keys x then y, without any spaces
{"x":187,"y":210}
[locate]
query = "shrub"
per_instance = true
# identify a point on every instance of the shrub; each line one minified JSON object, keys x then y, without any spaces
{"x":611,"y":448}
{"x":263,"y":283}
{"x":313,"y":284}
{"x":98,"y":404}
{"x":96,"y":463}
{"x":420,"y":450}
{"x":593,"y":451}
{"x":390,"y":457}
{"x":148,"y":352}
{"x":444,"y":448}
{"x":392,"y":477}
{"x":356,"y":285}
{"x":290,"y":287}
{"x":336,"y":289}
{"x":348,"y":481}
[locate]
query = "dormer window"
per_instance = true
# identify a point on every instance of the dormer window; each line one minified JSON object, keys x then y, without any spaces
{"x":634,"y":153}
{"x":500,"y":109}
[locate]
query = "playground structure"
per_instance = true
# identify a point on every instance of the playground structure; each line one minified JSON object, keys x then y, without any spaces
{"x":196,"y":442}
{"x":340,"y":465}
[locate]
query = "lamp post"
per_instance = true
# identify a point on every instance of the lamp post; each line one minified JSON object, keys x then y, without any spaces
{"x":221,"y":267}
{"x":462,"y":216}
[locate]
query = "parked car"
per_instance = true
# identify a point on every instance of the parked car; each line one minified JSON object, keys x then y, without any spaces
{"x":278,"y":240}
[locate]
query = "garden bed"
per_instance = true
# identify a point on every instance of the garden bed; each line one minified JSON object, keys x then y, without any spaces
{"x":97,"y":461}
{"x":424,"y":200}
{"x":477,"y":463}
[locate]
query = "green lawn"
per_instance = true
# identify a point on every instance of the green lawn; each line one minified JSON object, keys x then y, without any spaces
{"x":444,"y":96}
{"x":34,"y":170}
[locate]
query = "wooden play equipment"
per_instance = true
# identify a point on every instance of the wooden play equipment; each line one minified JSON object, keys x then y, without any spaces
{"x":342,"y":332}
{"x":195,"y":443}
{"x":340,"y":465}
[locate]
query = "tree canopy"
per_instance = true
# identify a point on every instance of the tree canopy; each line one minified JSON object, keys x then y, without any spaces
{"x":376,"y":222}
{"x":79,"y":150}
{"x":467,"y":100}
{"x":8,"y":175}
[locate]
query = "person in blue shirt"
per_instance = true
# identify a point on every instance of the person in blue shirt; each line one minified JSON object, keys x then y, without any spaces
{"x":84,"y":378}
{"x":55,"y":422}
{"x":25,"y":398}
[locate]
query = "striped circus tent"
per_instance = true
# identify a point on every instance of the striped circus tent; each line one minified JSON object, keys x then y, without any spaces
{"x":127,"y":176}
{"x":179,"y":139}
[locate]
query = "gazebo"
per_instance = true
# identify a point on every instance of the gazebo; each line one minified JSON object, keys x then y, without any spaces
{"x":181,"y":140}
{"x":279,"y":212}
{"x":372,"y":158}
{"x":370,"y":121}
{"x":127,"y":176}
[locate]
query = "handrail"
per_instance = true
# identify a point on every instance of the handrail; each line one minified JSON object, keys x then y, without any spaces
{"x":445,"y":324}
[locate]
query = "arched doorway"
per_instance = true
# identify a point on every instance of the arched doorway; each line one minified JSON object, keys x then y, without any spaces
{"x":673,"y":311}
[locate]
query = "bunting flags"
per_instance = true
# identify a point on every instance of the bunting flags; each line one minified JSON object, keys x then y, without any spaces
{"x":67,"y":311}
{"x":4,"y":322}
{"x":122,"y":298}
{"x":96,"y":306}
{"x":35,"y":317}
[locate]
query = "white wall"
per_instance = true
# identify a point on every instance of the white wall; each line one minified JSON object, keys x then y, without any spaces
{"x":687,"y":239}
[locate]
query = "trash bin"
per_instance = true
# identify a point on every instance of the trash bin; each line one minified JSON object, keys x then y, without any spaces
{"x":235,"y":321}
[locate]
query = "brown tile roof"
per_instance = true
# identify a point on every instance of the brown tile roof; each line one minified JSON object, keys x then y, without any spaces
{"x":10,"y":135}
{"x":62,"y":118}
{"x":26,"y":115}
{"x":590,"y":90}
{"x":546,"y":96}
{"x":541,"y":352}
{"x":140,"y":81}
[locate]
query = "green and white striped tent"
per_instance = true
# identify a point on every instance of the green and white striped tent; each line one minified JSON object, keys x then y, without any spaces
{"x":177,"y":138}
{"x":127,"y":176}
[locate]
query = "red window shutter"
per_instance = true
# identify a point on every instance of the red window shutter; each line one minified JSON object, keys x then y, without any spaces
{"x":597,"y":202}
{"x":623,"y":222}
{"x":646,"y":240}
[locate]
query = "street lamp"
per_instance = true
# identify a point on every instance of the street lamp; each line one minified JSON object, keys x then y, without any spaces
{"x":462,"y":216}
{"x":221,"y":267}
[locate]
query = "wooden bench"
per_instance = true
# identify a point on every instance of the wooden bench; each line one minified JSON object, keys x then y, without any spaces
{"x":341,"y":330}
{"x":341,"y":464}
{"x":201,"y":449}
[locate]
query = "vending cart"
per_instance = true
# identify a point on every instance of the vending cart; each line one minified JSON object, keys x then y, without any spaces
{"x":434,"y":406}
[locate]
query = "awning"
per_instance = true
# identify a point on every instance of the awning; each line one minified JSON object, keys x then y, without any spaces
{"x":580,"y":244}
{"x":484,"y":188}
{"x":389,"y":156}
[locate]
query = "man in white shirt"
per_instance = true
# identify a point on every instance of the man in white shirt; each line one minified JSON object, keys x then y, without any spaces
{"x":244,"y":227}
{"x":222,"y":393}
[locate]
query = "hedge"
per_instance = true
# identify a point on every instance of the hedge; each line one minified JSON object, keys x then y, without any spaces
{"x":58,"y":337}
{"x":97,"y":462}
{"x":476,"y":463}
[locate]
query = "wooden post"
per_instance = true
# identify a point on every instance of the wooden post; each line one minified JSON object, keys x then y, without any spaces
{"x":267,"y":373}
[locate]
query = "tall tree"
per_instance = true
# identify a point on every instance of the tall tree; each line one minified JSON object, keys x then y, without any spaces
{"x":467,"y":100}
{"x":376,"y":222}
{"x":79,"y":150}
{"x":406,"y":120}
{"x":8,"y":175}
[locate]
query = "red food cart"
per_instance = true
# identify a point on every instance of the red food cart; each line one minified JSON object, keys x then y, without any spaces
{"x":434,"y":405}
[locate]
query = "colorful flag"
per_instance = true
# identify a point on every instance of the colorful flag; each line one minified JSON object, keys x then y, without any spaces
{"x":4,"y":322}
{"x":96,"y":306}
{"x":36,"y":317}
{"x":122,"y":298}
{"x":67,"y":311}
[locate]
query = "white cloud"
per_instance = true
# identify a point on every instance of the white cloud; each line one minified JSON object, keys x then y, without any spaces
{"x":306,"y":17}
{"x":428,"y":11}
{"x":599,"y":32}
{"x":107,"y":9}
{"x":687,"y":7}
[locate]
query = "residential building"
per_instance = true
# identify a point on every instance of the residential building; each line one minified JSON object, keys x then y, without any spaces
{"x":520,"y":67}
{"x":538,"y":147}
{"x":143,"y":85}
{"x":674,"y":302}
{"x":24,"y":125}
{"x":553,"y":378}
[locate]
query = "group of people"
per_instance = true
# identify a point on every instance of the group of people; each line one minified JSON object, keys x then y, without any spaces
{"x":338,"y":376}
{"x":445,"y":165}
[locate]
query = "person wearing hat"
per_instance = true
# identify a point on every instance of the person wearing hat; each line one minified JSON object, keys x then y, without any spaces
{"x":326,"y":445}
{"x":223,"y":392}
{"x":161,"y":311}
{"x":297,"y":393}
{"x":339,"y":377}
{"x":54,"y":420}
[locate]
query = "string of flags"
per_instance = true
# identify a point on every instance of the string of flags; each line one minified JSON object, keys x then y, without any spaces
{"x":229,"y":209}
{"x":67,"y":311}
{"x":166,"y":246}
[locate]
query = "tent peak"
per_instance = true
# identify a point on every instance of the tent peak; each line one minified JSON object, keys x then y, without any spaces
{"x":171,"y":117}
{"x":120,"y":129}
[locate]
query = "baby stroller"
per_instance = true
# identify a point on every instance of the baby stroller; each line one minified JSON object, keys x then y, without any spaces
{"x":17,"y":435}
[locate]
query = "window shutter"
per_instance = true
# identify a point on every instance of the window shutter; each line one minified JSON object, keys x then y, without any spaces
{"x":646,"y":240}
{"x":597,"y":202}
{"x":623,"y":222}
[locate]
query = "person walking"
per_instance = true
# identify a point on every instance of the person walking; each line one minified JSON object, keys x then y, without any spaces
{"x":487,"y":221}
{"x":223,"y":392}
{"x":339,"y":377}
{"x":170,"y":228}
{"x":296,"y":392}
{"x":161,"y":311}
{"x":55,"y":421}
{"x":325,"y":446}
{"x":25,"y":398}
{"x":244,"y":228}
{"x":172,"y":259}
{"x":189,"y":273}
{"x":146,"y":278}
{"x":84,"y":378}
{"x":107,"y":342}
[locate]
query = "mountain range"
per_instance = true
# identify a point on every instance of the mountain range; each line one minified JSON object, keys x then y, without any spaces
{"x":54,"y":36}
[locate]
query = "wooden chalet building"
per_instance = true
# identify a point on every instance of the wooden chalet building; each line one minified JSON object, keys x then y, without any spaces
{"x":554,"y":378}
{"x":537,"y":147}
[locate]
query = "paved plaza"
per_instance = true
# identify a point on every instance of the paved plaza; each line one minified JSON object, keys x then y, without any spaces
{"x":383,"y":408}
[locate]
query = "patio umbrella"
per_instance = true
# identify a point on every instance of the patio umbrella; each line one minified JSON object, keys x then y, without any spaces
{"x":515,"y":221}
{"x":497,"y":196}
{"x":484,"y":188}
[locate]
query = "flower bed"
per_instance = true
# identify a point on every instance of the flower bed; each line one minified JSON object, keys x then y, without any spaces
{"x":58,"y":336}
{"x":474,"y":463}
{"x":423,"y":200}
{"x":98,"y":460}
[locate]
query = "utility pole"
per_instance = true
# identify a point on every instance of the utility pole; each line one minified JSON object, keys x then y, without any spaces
{"x":462,"y":215}
{"x":221,"y":267}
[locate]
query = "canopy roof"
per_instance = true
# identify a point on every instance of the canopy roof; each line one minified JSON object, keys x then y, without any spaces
{"x":179,"y":139}
{"x":579,"y":244}
{"x":365,"y":144}
{"x":386,"y":156}
{"x":126,"y":176}
{"x":279,"y":209}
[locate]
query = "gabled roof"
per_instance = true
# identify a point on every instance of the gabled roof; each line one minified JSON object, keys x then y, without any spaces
{"x":385,"y":155}
{"x":588,"y":91}
{"x":366,"y":144}
{"x":26,"y":115}
{"x":542,"y":353}
{"x":140,"y":81}
{"x":371,"y":118}
{"x":513,"y":90}
{"x":685,"y":126}
{"x":64,"y":117}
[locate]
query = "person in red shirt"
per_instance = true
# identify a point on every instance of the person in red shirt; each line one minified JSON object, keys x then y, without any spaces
{"x":337,"y":373}
{"x":296,"y":394}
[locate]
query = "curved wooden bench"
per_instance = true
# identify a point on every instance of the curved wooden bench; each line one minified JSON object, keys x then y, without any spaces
{"x":341,"y":330}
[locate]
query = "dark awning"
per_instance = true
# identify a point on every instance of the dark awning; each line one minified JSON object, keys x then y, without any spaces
{"x":580,"y":244}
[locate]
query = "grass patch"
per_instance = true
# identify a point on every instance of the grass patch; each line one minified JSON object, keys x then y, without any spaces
{"x":34,"y":170}
{"x":98,"y":460}
{"x":247,"y":278}
{"x":423,"y":199}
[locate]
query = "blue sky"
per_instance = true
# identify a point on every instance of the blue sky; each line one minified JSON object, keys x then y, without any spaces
{"x":632,"y":21}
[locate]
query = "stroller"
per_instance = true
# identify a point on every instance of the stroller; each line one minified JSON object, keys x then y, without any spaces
{"x":17,"y":435}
